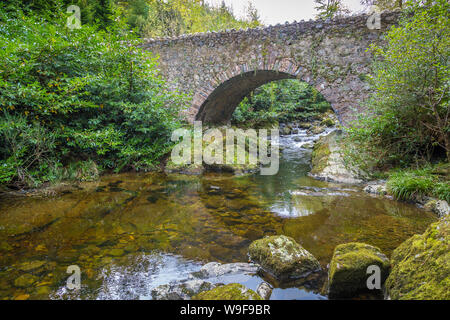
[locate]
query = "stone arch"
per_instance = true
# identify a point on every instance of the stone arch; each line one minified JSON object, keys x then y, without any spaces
{"x":216,"y":105}
{"x":219,"y":106}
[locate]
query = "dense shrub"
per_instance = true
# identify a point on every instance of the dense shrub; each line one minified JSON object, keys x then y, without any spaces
{"x":410,"y":113}
{"x":82,"y":95}
{"x":280,"y":101}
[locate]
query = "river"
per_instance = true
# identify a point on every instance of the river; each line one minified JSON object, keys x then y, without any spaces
{"x":130,"y":233}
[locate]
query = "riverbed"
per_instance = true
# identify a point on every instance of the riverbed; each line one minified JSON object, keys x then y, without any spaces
{"x":130,"y":233}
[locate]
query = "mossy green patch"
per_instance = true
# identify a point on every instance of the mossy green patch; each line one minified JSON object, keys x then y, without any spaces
{"x":421,"y":266}
{"x":327,"y":122}
{"x":320,"y":155}
{"x":283,"y":257}
{"x":233,"y":291}
{"x":348,"y":268}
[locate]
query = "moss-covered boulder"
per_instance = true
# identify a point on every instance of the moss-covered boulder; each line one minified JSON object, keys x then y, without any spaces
{"x":347,"y":274}
{"x":233,"y":291}
{"x":283,"y":257}
{"x":320,"y":156}
{"x":328,"y":162}
{"x":421,"y":266}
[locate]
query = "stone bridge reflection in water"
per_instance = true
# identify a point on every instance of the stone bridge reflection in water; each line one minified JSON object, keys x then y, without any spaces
{"x":132,"y":232}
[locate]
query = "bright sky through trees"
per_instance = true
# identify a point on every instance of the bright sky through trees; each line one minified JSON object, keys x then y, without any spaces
{"x":280,"y":11}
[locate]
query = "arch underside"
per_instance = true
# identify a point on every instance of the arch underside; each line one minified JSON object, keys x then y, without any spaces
{"x":221,"y":103}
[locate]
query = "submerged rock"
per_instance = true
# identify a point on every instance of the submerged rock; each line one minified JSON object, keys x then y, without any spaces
{"x":233,"y":291}
{"x":348,"y":268}
{"x":283,"y":257}
{"x":376,"y":188}
{"x":31,"y":265}
{"x":181,"y":291}
{"x":115,"y":252}
{"x":421,"y":266}
{"x":25,"y":281}
{"x":187,"y":169}
{"x":215,"y":269}
{"x":5,"y":246}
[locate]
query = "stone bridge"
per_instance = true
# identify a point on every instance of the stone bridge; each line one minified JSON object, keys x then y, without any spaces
{"x":219,"y":69}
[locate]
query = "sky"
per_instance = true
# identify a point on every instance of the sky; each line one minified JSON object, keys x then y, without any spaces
{"x":280,"y":11}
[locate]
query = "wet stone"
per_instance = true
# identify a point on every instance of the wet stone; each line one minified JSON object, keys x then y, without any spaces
{"x":215,"y":269}
{"x":181,"y":291}
{"x":31,"y":265}
{"x":264,"y":290}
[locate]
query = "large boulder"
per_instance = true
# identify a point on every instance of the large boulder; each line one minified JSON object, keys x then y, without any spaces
{"x":283,"y":257}
{"x":233,"y":291}
{"x":421,"y":266}
{"x":328,"y":163}
{"x":347,"y":274}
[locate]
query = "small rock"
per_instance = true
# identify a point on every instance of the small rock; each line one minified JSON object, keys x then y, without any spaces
{"x":264,"y":290}
{"x":379,"y":189}
{"x":316,"y":130}
{"x":181,"y":291}
{"x":327,"y":122}
{"x":304,"y":125}
{"x":285,"y":131}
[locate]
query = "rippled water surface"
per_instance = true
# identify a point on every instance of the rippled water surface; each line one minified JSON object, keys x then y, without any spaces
{"x":132,"y":232}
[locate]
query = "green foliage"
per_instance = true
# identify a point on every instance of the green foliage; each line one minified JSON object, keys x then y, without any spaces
{"x":158,"y":18}
{"x":409,"y":184}
{"x":98,"y":12}
{"x":410,"y":111}
{"x":81,"y":95}
{"x":151,"y":18}
{"x":330,"y":8}
{"x":282,"y":101}
{"x":384,"y":4}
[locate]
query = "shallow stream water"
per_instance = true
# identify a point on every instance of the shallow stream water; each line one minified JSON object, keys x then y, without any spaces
{"x":130,"y":233}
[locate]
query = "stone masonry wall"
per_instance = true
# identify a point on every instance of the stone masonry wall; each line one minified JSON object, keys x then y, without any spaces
{"x":218,"y":69}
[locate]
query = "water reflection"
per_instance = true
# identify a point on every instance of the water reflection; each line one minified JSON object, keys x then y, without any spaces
{"x":112,"y":228}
